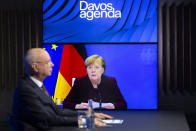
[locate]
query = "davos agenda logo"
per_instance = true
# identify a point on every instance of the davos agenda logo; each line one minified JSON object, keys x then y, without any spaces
{"x":90,"y":11}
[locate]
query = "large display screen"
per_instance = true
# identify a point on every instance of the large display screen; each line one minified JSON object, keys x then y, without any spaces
{"x":123,"y":32}
{"x":134,"y":66}
{"x":99,"y":21}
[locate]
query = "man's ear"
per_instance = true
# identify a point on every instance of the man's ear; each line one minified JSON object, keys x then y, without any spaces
{"x":34,"y":66}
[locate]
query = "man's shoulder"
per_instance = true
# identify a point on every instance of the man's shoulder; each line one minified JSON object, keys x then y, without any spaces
{"x":25,"y":83}
{"x":24,"y":90}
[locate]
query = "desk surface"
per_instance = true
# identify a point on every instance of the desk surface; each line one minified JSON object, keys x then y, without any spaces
{"x":142,"y":121}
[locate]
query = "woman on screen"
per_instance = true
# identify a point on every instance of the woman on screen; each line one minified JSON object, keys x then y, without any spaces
{"x":103,"y":90}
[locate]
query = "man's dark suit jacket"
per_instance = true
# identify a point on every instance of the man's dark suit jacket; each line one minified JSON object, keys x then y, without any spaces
{"x":83,"y":90}
{"x":31,"y":105}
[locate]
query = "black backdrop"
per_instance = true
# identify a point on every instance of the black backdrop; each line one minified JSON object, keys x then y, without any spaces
{"x":21,"y":29}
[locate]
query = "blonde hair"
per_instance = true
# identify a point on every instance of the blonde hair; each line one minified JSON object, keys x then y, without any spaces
{"x":95,"y":58}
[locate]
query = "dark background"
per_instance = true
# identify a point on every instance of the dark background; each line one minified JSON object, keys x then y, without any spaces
{"x":21,"y":29}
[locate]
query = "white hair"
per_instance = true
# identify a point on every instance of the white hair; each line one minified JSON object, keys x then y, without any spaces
{"x":32,"y":56}
{"x":28,"y":60}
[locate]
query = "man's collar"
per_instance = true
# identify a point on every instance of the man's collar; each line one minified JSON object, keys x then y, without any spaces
{"x":37,"y":82}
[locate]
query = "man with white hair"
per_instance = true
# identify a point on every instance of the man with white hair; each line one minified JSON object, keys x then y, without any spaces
{"x":32,"y":102}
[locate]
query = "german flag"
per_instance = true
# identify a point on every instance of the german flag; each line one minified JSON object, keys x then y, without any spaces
{"x":71,"y":66}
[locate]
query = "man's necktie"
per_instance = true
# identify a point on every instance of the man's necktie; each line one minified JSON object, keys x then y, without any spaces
{"x":45,"y":91}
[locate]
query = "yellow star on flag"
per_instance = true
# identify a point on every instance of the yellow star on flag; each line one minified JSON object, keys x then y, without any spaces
{"x":54,"y":46}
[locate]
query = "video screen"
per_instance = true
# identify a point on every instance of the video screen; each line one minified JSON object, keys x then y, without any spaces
{"x":133,"y":66}
{"x":99,"y":21}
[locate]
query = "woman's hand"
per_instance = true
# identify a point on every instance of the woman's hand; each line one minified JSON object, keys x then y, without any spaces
{"x":81,"y":106}
{"x":110,"y":106}
{"x":99,"y":122}
{"x":99,"y":117}
{"x":103,"y":116}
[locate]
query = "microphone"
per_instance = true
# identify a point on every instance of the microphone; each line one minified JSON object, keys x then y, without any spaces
{"x":100,"y":97}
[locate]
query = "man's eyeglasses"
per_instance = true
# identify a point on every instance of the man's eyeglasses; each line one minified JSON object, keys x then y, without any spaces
{"x":47,"y":62}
